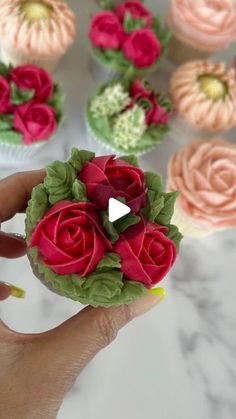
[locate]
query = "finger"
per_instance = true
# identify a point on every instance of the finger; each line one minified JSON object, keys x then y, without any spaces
{"x":73,"y":344}
{"x":11,"y":246}
{"x":5,"y":291}
{"x":15,"y":192}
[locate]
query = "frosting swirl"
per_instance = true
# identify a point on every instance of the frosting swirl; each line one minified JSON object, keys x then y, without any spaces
{"x":209,"y":23}
{"x":204,"y":93}
{"x":205,"y":173}
{"x":37,"y":28}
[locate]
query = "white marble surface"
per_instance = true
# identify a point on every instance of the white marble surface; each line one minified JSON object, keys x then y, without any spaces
{"x":179,"y":361}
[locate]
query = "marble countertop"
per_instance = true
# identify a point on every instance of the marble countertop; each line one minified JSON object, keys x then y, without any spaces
{"x":177,"y":362}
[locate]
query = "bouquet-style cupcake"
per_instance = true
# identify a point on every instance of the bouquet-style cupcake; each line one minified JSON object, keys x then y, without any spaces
{"x":77,"y":252}
{"x":205,"y":173}
{"x":30,"y":110}
{"x":35,"y":32}
{"x":204,"y":95}
{"x":128,"y":38}
{"x":128,"y":116}
{"x":200,"y":28}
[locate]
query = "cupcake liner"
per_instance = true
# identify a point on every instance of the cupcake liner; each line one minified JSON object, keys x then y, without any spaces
{"x":100,"y":73}
{"x":112,"y":148}
{"x":15,"y":153}
{"x":187,"y":226}
{"x":181,"y":52}
{"x":9,"y":57}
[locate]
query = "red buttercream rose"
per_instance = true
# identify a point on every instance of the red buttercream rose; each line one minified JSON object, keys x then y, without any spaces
{"x":146,"y":253}
{"x":142,"y":47}
{"x":36,"y":121}
{"x":155,"y":114}
{"x":30,"y":77}
{"x":136,"y":9}
{"x":106,"y":178}
{"x":106,"y":31}
{"x":5,"y":106}
{"x":70,"y":238}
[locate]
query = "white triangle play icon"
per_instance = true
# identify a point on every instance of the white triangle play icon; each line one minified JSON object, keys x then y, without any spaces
{"x":117,"y":210}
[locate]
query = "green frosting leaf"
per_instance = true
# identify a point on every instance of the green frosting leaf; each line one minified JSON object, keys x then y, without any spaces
{"x":109,"y":227}
{"x":4,"y":70}
{"x":79,"y":191}
{"x":130,"y":24}
{"x":79,"y":158}
{"x":163,"y":35}
{"x":165,"y":215}
{"x":131,"y":159}
{"x":109,"y":262}
{"x":19,"y":96}
{"x":37,"y":208}
{"x":57,"y":102}
{"x":59,"y":181}
{"x":174,"y":234}
{"x":156,"y":205}
{"x":153,"y":182}
{"x":125,"y":222}
{"x":103,"y":286}
{"x":106,"y":5}
{"x":11,"y":137}
{"x":6,"y":122}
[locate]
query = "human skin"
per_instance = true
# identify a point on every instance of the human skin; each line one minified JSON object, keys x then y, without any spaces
{"x":37,"y":370}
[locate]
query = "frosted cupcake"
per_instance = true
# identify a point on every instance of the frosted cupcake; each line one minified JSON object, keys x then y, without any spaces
{"x":204,"y":95}
{"x":128,"y":116}
{"x":205,"y":173}
{"x":35,"y":32}
{"x":30,"y":111}
{"x":74,"y":248}
{"x":200,"y":28}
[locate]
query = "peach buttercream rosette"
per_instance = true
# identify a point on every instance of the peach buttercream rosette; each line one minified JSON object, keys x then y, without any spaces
{"x":34,"y":31}
{"x":205,"y":173}
{"x":205,"y":24}
{"x":204,"y":94}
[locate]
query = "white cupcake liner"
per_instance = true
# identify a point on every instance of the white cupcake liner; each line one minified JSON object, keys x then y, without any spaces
{"x":99,"y":72}
{"x":8,"y":57}
{"x":188,"y":226}
{"x":181,"y":52}
{"x":15,"y":153}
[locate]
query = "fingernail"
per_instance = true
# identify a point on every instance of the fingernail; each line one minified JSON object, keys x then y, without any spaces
{"x":18,"y":236}
{"x":15,"y":291}
{"x":145,"y":304}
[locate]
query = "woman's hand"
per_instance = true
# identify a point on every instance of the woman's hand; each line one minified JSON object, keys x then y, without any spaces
{"x":36,"y":371}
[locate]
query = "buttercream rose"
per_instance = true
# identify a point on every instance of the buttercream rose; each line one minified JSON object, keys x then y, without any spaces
{"x":107,"y":178}
{"x":136,"y":9}
{"x":35,"y":121}
{"x":155,"y":113}
{"x":70,"y":238}
{"x":142,"y":47}
{"x":4,"y":96}
{"x":205,"y":173}
{"x":210,"y":23}
{"x":146,"y":253}
{"x":106,"y":31}
{"x":30,"y":77}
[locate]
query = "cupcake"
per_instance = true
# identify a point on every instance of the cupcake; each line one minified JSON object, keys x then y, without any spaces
{"x":30,"y":111}
{"x":35,"y":32}
{"x":200,"y":28}
{"x":205,"y":173}
{"x":204,"y":95}
{"x":128,"y":38}
{"x":78,"y":253}
{"x":128,"y":116}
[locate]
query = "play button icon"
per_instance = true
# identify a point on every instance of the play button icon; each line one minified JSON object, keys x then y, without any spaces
{"x":117,"y":210}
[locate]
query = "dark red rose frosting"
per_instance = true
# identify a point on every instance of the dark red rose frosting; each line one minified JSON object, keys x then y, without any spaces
{"x":142,"y":48}
{"x":5,"y":105}
{"x":106,"y":31}
{"x":106,"y":178}
{"x":136,"y":9}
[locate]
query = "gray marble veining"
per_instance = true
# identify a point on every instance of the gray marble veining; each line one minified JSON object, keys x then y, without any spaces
{"x":177,"y":362}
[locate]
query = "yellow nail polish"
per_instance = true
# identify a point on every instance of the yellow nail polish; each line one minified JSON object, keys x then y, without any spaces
{"x":16,"y":291}
{"x":159,"y":292}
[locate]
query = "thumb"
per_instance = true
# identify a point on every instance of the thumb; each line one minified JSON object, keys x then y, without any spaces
{"x":78,"y":340}
{"x":12,"y":245}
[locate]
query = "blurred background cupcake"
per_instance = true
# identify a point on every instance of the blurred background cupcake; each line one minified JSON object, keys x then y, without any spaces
{"x":30,"y":111}
{"x":205,"y":174}
{"x":204,"y":96}
{"x":126,"y":37}
{"x":200,"y":28}
{"x":35,"y":32}
{"x":128,"y":116}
